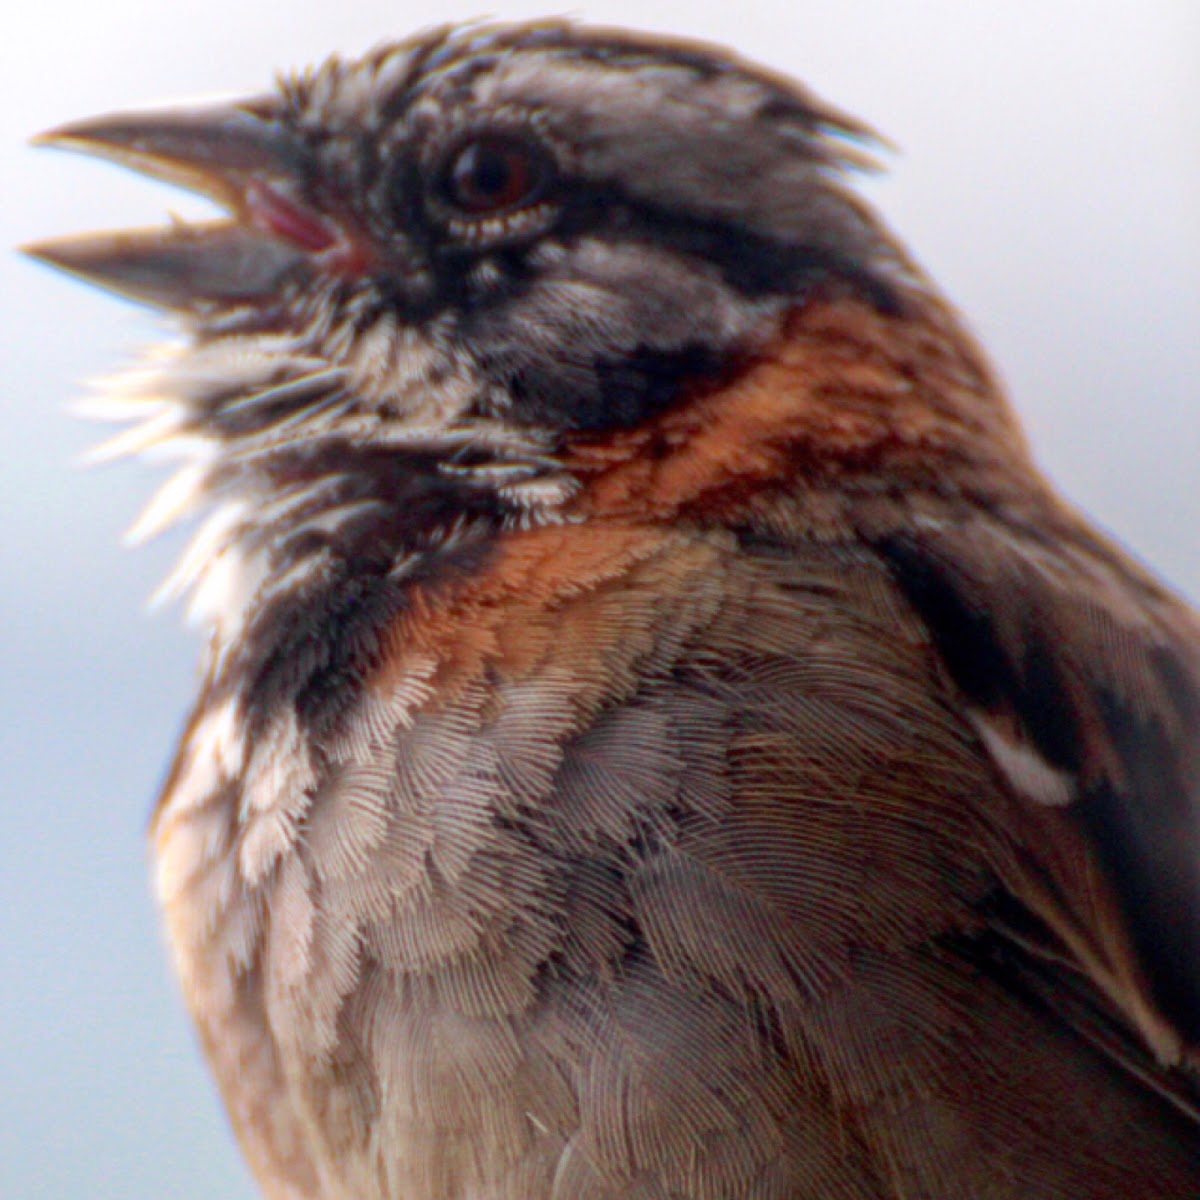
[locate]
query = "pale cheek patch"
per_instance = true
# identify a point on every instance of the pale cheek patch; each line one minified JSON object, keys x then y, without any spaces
{"x":1027,"y":772}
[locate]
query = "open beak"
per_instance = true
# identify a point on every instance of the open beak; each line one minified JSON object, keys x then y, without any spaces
{"x":248,"y":163}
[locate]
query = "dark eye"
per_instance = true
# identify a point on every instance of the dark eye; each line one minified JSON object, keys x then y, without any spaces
{"x":493,"y":174}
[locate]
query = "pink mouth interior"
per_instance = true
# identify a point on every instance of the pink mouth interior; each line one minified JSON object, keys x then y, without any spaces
{"x":284,"y":219}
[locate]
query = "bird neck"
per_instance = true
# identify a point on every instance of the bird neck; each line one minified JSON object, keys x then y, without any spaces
{"x":847,"y":400}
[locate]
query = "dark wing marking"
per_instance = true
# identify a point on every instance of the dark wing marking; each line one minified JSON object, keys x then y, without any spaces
{"x":1097,"y":670}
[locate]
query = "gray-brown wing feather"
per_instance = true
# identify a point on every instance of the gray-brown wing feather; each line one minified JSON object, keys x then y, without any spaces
{"x":1093,"y":671}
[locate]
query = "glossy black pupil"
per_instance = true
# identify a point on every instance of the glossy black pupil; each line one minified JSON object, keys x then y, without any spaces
{"x":491,"y":175}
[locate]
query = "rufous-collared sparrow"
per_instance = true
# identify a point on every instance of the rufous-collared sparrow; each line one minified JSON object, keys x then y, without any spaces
{"x":660,"y":736}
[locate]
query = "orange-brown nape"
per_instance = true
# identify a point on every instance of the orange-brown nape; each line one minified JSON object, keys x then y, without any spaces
{"x":508,"y":616}
{"x":846,"y":398}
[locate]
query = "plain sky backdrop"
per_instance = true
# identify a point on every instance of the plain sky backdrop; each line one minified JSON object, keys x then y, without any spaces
{"x":1048,"y":174}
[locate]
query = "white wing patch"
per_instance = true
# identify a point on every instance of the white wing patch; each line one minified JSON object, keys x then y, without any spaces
{"x":1027,"y":772}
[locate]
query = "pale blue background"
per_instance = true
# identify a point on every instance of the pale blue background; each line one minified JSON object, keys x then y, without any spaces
{"x":1050,"y":178}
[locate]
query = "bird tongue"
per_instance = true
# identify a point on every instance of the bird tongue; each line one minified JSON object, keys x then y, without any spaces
{"x":248,"y":163}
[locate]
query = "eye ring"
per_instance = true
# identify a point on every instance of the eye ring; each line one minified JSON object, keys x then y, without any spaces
{"x":491,"y":174}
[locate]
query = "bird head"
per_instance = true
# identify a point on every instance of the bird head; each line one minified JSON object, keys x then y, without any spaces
{"x":442,"y":262}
